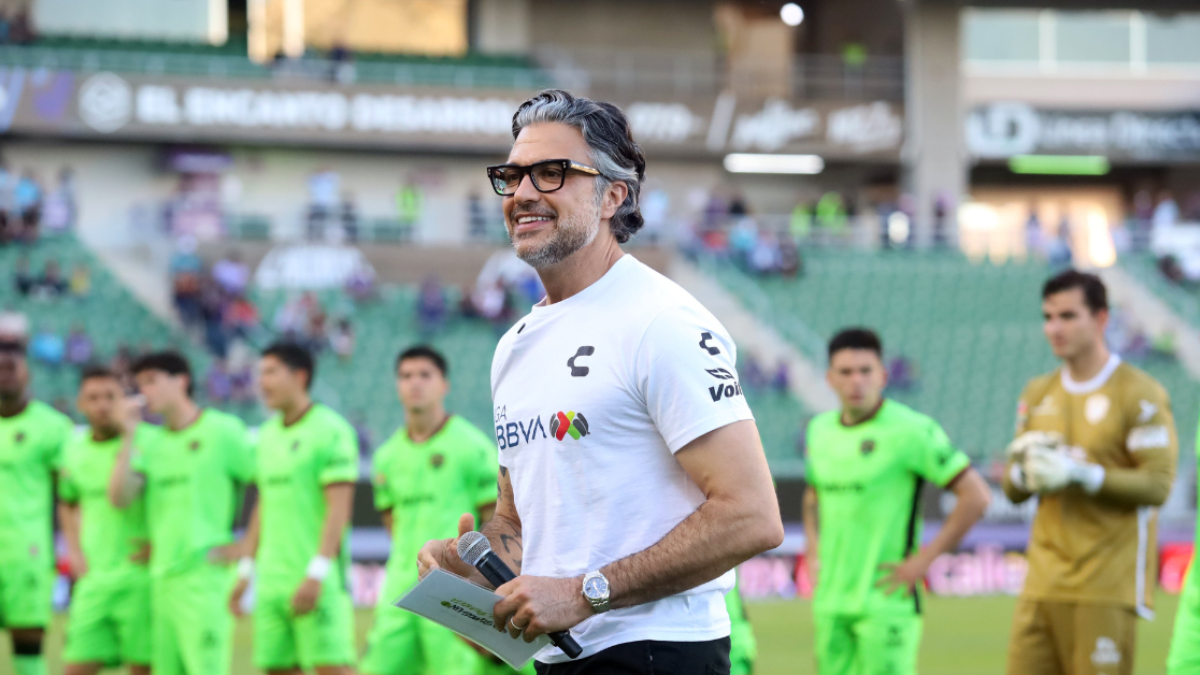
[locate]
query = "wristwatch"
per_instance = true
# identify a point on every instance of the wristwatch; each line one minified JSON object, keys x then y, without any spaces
{"x":595,"y":590}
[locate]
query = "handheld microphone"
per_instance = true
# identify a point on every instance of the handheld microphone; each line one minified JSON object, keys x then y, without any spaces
{"x":476,"y":551}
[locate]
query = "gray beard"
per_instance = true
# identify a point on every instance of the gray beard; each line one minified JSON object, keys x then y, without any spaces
{"x":570,"y":235}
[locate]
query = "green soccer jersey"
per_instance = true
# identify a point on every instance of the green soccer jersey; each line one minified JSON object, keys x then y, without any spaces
{"x":108,"y":536}
{"x":31,"y":444}
{"x":193,"y":488}
{"x":428,"y":486}
{"x":295,"y":463}
{"x":868,"y":479}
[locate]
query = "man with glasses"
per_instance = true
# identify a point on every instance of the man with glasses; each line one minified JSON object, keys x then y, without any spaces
{"x":632,"y":478}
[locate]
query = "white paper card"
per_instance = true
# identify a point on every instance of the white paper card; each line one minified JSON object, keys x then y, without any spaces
{"x":465,"y":608}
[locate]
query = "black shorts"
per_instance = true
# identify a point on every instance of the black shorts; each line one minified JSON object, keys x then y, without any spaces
{"x":649,"y":657}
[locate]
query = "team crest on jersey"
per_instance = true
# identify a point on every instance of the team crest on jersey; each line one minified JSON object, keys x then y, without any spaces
{"x":1046,"y":408}
{"x":194,"y":446}
{"x":437,"y":460}
{"x":1096,"y":408}
{"x":1106,"y":653}
{"x":19,"y":437}
{"x":867,"y":447}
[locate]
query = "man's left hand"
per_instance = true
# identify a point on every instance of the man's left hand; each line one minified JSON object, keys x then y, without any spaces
{"x":305,"y":599}
{"x":535,"y":606}
{"x":900,"y":576}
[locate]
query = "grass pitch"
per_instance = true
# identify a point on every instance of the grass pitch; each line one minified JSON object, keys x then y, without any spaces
{"x":963,"y":636}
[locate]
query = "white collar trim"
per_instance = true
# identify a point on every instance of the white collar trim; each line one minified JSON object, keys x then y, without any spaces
{"x":1093,"y":384}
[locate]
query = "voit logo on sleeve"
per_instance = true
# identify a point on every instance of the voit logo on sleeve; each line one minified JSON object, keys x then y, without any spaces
{"x":729,"y":389}
{"x":571,"y":424}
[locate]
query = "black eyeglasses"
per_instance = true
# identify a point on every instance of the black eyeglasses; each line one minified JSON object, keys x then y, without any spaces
{"x":547,"y":176}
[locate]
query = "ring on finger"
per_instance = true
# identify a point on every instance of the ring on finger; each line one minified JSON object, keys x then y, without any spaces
{"x":514,"y":624}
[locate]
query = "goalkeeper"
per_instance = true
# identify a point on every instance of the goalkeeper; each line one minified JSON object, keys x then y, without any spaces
{"x":1096,"y":443}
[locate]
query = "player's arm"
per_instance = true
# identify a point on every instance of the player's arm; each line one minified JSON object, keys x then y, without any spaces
{"x":339,"y":503}
{"x":811,"y":531}
{"x":68,"y":517}
{"x":1154,"y":447}
{"x":973,"y":497}
{"x":126,"y":483}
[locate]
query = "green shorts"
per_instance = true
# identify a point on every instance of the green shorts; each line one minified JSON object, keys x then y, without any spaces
{"x":1184,"y":658}
{"x":323,"y":637}
{"x":401,"y":643}
{"x":743,"y":649}
{"x":109,"y":621}
{"x":193,"y":629}
{"x":867,"y":645}
{"x":26,"y":592}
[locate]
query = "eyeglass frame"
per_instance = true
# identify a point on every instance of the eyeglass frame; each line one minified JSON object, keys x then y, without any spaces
{"x":527,"y":170}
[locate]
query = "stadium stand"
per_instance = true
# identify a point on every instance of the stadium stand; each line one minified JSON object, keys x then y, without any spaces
{"x":969,"y":332}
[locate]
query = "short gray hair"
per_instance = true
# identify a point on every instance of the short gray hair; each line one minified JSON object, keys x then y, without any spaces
{"x":613,"y":151}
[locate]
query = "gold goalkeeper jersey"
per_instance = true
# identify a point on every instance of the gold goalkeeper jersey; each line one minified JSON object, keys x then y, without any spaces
{"x":1100,"y":548}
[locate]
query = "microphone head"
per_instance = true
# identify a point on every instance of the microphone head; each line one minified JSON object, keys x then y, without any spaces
{"x":472,"y":546}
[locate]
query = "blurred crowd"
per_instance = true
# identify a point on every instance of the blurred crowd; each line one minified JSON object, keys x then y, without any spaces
{"x":28,"y":207}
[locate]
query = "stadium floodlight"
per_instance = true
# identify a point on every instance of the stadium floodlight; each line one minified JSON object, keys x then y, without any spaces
{"x":792,"y":14}
{"x":1060,"y":165}
{"x":754,"y":163}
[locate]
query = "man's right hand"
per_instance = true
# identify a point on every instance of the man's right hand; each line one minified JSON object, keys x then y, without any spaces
{"x":443,"y":554}
{"x":235,"y":598}
{"x":130,"y":414}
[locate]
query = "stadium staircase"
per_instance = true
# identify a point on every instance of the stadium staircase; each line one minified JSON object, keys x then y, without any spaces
{"x":972,"y":331}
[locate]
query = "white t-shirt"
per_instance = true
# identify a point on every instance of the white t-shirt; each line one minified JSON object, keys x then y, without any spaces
{"x":593,"y":396}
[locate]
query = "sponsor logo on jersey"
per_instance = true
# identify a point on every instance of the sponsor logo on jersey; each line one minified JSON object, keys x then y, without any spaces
{"x":704,"y":338}
{"x":194,"y":446}
{"x":867,"y":447}
{"x":580,"y":371}
{"x":571,"y":424}
{"x":1106,"y":652}
{"x":1147,"y":413}
{"x":725,"y":391}
{"x":719,"y":373}
{"x":1144,"y":438}
{"x":512,"y":434}
{"x":437,"y":460}
{"x":19,"y":437}
{"x":1096,"y":408}
{"x":1046,"y":408}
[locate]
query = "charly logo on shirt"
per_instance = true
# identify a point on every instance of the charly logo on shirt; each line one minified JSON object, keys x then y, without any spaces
{"x":571,"y":424}
{"x":580,"y":370}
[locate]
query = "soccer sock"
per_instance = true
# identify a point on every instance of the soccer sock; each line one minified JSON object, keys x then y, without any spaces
{"x":29,"y":665}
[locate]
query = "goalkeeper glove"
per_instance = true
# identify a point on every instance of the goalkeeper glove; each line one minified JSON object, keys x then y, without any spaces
{"x":1017,"y":451}
{"x":1049,"y":470}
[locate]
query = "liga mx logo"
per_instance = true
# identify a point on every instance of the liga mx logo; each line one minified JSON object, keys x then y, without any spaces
{"x":569,"y":423}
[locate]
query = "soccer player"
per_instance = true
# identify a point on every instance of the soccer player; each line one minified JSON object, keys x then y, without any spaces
{"x":109,"y":623}
{"x":434,"y":468}
{"x":867,"y":464}
{"x":307,"y":464}
{"x":193,"y":473}
{"x":1184,"y":657}
{"x":32,"y":435}
{"x":1096,"y":443}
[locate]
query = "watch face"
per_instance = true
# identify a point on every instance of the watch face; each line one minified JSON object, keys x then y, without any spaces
{"x":596,"y":587}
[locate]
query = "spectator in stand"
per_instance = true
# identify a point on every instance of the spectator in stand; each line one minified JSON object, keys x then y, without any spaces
{"x":466,"y":303}
{"x":431,"y":308}
{"x":231,"y":274}
{"x":349,"y":217}
{"x":59,"y":214}
{"x":1166,"y":213}
{"x":79,"y":348}
{"x":754,"y":377}
{"x":781,"y":381}
{"x":324,"y":187}
{"x":342,"y":340}
{"x":241,"y":317}
{"x":80,"y":284}
{"x":8,"y":231}
{"x":791,"y":264}
{"x":317,"y":332}
{"x":27,"y":198}
{"x":360,"y":285}
{"x":51,"y":284}
{"x":13,"y":325}
{"x":212,"y":314}
{"x":23,"y":280}
{"x":764,"y":257}
{"x":47,"y":347}
{"x":491,"y":302}
{"x":902,"y":374}
{"x":186,"y":270}
{"x":217,"y":384}
{"x":1035,"y":245}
